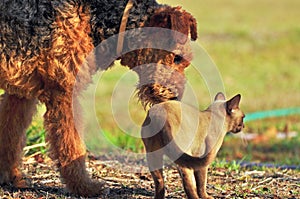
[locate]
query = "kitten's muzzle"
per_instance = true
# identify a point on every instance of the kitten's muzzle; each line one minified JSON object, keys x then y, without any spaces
{"x":238,"y":128}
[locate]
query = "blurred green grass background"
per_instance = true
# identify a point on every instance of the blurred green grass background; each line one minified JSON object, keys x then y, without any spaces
{"x":255,"y":45}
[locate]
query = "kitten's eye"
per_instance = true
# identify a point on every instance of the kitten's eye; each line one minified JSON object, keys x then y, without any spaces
{"x":178,"y":59}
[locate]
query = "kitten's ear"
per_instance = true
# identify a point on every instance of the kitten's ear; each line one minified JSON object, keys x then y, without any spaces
{"x":220,"y":96}
{"x":233,"y":103}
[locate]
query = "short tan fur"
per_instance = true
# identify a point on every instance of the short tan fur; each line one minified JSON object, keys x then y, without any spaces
{"x":190,"y":138}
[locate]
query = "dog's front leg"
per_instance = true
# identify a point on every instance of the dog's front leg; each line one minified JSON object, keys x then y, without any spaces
{"x":67,"y":147}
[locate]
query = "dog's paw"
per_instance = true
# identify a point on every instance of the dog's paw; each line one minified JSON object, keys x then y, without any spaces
{"x":89,"y":188}
{"x":4,"y":177}
{"x":14,"y":178}
{"x":21,"y":183}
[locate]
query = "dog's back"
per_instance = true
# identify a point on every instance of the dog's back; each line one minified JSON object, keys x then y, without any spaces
{"x":25,"y":26}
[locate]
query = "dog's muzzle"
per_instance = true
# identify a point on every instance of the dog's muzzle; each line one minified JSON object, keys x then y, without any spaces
{"x":154,"y":93}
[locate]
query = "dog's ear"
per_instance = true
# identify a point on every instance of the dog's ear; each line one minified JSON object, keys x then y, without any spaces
{"x":177,"y":20}
{"x":180,"y":23}
{"x":193,"y":27}
{"x":220,"y":96}
{"x":233,"y":103}
{"x":185,"y":23}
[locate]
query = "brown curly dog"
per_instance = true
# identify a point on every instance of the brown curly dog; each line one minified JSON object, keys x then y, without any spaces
{"x":44,"y":47}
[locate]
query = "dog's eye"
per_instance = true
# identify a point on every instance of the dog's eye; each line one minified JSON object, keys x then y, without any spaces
{"x":178,"y":59}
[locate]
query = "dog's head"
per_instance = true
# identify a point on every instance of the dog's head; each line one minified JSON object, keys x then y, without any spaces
{"x":234,"y":116}
{"x":165,"y":54}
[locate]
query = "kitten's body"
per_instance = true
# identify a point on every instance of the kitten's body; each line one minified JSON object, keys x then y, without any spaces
{"x":190,"y":138}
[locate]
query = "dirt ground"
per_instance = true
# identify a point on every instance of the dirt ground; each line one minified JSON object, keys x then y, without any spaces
{"x":127,"y":178}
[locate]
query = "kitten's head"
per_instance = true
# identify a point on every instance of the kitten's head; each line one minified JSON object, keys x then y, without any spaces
{"x":234,"y":115}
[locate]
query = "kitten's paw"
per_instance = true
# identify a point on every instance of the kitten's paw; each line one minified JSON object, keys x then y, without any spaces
{"x":208,"y":197}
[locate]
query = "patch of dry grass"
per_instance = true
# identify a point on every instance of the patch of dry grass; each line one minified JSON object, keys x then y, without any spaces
{"x":226,"y":180}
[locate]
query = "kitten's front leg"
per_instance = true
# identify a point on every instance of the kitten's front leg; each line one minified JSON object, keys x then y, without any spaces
{"x":155,"y":163}
{"x":201,"y":179}
{"x":188,"y":181}
{"x":158,"y":178}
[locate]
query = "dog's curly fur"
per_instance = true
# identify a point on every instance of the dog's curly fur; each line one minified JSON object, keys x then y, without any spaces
{"x":43,"y":50}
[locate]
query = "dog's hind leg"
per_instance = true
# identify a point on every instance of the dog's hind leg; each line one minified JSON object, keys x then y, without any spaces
{"x":66,"y":146}
{"x":15,"y":116}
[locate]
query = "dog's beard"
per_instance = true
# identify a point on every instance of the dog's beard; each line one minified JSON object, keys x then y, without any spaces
{"x":154,"y":93}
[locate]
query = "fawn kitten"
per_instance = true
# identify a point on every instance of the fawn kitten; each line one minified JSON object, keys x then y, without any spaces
{"x":190,"y":138}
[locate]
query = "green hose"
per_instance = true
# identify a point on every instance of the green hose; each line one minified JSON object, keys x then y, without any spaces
{"x":272,"y":113}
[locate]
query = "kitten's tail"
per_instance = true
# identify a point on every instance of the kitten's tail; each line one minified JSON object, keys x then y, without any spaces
{"x":183,"y":159}
{"x":192,"y":162}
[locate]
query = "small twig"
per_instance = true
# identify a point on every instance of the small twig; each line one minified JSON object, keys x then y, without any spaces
{"x":293,"y":185}
{"x":27,"y":148}
{"x":43,"y":176}
{"x":255,"y":172}
{"x":257,"y":187}
{"x":263,"y":183}
{"x":268,"y":180}
{"x":29,"y":159}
